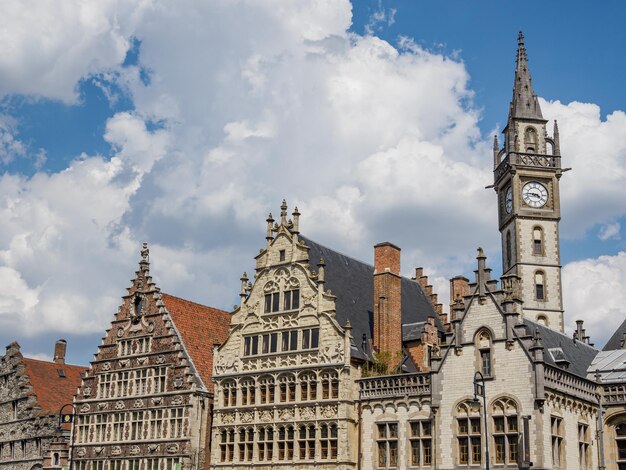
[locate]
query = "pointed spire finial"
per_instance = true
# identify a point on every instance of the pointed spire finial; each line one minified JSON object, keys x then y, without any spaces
{"x":145,"y":257}
{"x":296,"y":220}
{"x":283,"y":213}
{"x":270,"y":227}
{"x":524,"y":103}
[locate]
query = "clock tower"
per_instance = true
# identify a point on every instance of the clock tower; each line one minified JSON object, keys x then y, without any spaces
{"x":526,"y":179}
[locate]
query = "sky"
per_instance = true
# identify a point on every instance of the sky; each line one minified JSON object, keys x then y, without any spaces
{"x":184,"y":123}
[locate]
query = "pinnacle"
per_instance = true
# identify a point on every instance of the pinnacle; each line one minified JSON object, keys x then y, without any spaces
{"x":524,"y":103}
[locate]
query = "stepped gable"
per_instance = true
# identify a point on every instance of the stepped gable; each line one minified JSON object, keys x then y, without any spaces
{"x":580,"y":355}
{"x":617,"y":340}
{"x":352,"y":282}
{"x":54,"y":384}
{"x":199,"y":327}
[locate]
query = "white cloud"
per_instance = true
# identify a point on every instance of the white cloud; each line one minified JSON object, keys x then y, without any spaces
{"x":593,"y":291}
{"x":10,"y":146}
{"x":610,"y":232}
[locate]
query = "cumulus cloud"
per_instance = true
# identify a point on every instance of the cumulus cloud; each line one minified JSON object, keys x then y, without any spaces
{"x":593,"y":292}
{"x":372,"y":141}
{"x":610,"y":232}
{"x":10,"y":146}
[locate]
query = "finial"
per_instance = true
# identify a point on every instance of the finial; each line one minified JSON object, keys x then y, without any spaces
{"x":496,"y":146}
{"x":555,"y":136}
{"x":270,"y":226}
{"x":283,"y":213}
{"x":481,"y":253}
{"x":244,"y":285}
{"x":520,"y":38}
{"x":320,"y":272}
{"x":145,"y":257}
{"x":296,"y":220}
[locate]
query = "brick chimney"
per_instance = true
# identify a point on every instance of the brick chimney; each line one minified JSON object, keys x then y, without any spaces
{"x":59,"y":351}
{"x":387,"y":299}
{"x":459,"y":288}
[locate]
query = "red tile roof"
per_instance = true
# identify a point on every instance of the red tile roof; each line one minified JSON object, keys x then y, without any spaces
{"x":200,"y":327}
{"x":52,"y":390}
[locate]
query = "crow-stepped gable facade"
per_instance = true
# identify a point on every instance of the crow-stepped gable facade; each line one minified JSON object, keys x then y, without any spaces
{"x":32,"y":393}
{"x":146,"y":402}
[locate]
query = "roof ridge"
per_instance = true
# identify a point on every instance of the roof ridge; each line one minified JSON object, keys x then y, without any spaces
{"x":54,"y":363}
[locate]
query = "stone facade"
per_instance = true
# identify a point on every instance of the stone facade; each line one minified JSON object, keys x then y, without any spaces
{"x":32,"y":393}
{"x":146,"y":401}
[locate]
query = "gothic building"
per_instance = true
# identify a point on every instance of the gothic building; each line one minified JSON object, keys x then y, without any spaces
{"x":146,"y":401}
{"x":32,"y":393}
{"x":333,"y":363}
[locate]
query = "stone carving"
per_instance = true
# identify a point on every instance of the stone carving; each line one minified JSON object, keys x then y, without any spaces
{"x":222,"y":366}
{"x":142,"y":360}
{"x":286,"y":414}
{"x":87,"y":391}
{"x":156,"y":400}
{"x":329,"y":411}
{"x":266,"y":415}
{"x":138,"y":403}
{"x":178,"y":382}
{"x":85,"y":408}
{"x":103,"y":406}
{"x":160,"y":359}
{"x":134,"y":450}
{"x":308,"y":301}
{"x":120,"y":332}
{"x":119,"y":405}
{"x":172,"y":448}
{"x":228,"y":418}
{"x":307,"y":412}
{"x":106,"y":366}
{"x":154,"y":448}
{"x":151,"y":327}
{"x":246,"y":416}
{"x":177,"y":400}
{"x":124,"y":362}
{"x":332,"y":354}
{"x":81,"y":452}
{"x":116,"y":450}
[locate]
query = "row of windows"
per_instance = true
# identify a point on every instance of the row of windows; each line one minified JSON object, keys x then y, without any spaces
{"x":164,"y":463}
{"x":131,"y":425}
{"x":128,"y":347}
{"x":285,"y":443}
{"x":290,"y":301}
{"x":20,"y":449}
{"x":135,"y":382}
{"x":288,"y":388}
{"x":420,"y":441}
{"x":537,"y":244}
{"x":292,"y":340}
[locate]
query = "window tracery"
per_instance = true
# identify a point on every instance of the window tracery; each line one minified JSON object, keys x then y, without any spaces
{"x":469,"y":433}
{"x":505,"y":431}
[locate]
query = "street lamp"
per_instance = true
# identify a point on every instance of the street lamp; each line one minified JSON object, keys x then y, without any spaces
{"x":479,"y":389}
{"x":68,"y":418}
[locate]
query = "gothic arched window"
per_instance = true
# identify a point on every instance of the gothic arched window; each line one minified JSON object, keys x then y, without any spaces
{"x":266,"y":390}
{"x":285,"y":443}
{"x":248,"y":392}
{"x":469,"y":434}
{"x":542,"y":320}
{"x":229,"y":393}
{"x":287,"y":384}
{"x":538,"y":245}
{"x":540,"y":285}
{"x":530,"y":139}
{"x":328,"y":441}
{"x":308,"y":386}
{"x":306,"y":442}
{"x":483,"y":344}
{"x":330,"y":385}
{"x":505,"y":431}
{"x":246,"y":441}
{"x":227,"y":445}
{"x":265,"y":443}
{"x":620,"y":443}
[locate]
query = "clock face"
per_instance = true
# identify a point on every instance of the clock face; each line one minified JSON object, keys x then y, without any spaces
{"x":508,"y":200}
{"x":535,"y":194}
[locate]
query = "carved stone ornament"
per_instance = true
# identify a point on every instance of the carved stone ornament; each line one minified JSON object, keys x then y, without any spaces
{"x":246,"y":416}
{"x":223,"y":366}
{"x":329,"y":411}
{"x":142,"y":360}
{"x":85,"y":408}
{"x":138,"y":403}
{"x":135,"y":450}
{"x":124,"y":362}
{"x":266,"y":415}
{"x":81,"y":452}
{"x":116,"y":450}
{"x":153,"y":448}
{"x":98,"y":450}
{"x":87,"y":391}
{"x":156,"y":400}
{"x":177,"y":400}
{"x":106,"y":366}
{"x":103,"y":406}
{"x":307,"y":412}
{"x":172,"y":448}
{"x":286,"y":414}
{"x":151,"y":327}
{"x":332,"y":354}
{"x":119,"y":405}
{"x":120,"y":332}
{"x":178,"y":382}
{"x":160,"y":359}
{"x":228,"y":418}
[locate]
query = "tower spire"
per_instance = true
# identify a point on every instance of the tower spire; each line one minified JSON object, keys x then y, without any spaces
{"x":524,"y":103}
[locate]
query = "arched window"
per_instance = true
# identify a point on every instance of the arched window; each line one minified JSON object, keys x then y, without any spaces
{"x":540,"y":286}
{"x":508,"y":248}
{"x":308,"y":386}
{"x":330,"y":385}
{"x":285,"y":443}
{"x":620,"y":443}
{"x":248,"y":392}
{"x":530,"y":139}
{"x":328,"y":441}
{"x":56,"y":460}
{"x":287,"y":384}
{"x":266,"y":444}
{"x":483,"y":344}
{"x":306,"y":442}
{"x":469,"y":434}
{"x":246,"y":441}
{"x":266,"y":390}
{"x":505,"y":431}
{"x":542,"y":320}
{"x":229,"y":393}
{"x":538,"y":248}
{"x":227,"y":445}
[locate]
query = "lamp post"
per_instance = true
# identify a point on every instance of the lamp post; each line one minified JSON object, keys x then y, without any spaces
{"x":68,"y":418}
{"x":479,"y":389}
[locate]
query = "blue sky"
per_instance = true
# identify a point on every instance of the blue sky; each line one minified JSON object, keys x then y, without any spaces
{"x":101,"y":120}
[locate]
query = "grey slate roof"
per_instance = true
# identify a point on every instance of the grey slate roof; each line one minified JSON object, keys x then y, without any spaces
{"x":615,"y":342}
{"x":352,"y":282}
{"x":610,"y":364}
{"x":579,"y":355}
